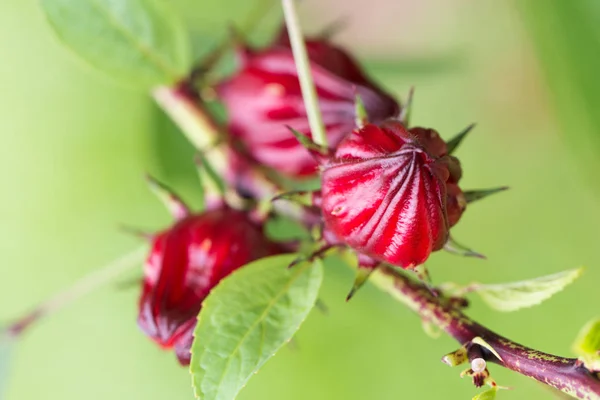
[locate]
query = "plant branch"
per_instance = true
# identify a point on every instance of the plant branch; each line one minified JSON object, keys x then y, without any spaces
{"x":309,"y":92}
{"x":85,"y":285}
{"x":565,"y":374}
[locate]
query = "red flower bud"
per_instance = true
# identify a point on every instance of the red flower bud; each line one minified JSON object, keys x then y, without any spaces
{"x":384,"y":193}
{"x":264,"y":97}
{"x":185,"y":263}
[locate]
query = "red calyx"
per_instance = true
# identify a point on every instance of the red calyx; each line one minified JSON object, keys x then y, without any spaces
{"x":264,"y":97}
{"x":185,"y":263}
{"x":384,"y":193}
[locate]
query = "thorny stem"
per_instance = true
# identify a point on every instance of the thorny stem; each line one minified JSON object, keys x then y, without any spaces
{"x":564,"y":374}
{"x":85,"y":285}
{"x":309,"y":92}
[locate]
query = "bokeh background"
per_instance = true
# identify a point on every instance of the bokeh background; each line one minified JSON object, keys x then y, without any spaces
{"x":75,"y":147}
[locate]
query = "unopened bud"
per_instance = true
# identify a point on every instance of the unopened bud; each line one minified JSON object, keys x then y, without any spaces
{"x":478,"y":365}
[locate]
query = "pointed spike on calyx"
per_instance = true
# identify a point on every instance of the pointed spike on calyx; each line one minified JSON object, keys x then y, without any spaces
{"x":296,"y":196}
{"x":213,"y":187}
{"x":322,"y":307}
{"x":174,"y":204}
{"x":308,"y":143}
{"x":362,"y":118}
{"x":404,"y":116}
{"x":136,"y":232}
{"x":453,"y":143}
{"x":362,"y":275}
{"x":332,"y":28}
{"x":452,"y":246}
{"x":235,"y":37}
{"x":474,"y":195}
{"x":298,"y":260}
{"x":319,"y":253}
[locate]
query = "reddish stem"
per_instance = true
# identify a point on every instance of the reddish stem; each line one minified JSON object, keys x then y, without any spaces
{"x":565,"y":374}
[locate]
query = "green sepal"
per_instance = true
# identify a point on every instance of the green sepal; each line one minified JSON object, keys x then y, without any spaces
{"x":362,"y":275}
{"x":453,"y":143}
{"x":474,"y":195}
{"x":308,"y":143}
{"x":172,"y":202}
{"x":452,"y":246}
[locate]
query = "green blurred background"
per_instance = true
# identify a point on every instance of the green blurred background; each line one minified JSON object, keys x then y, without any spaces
{"x":75,"y":147}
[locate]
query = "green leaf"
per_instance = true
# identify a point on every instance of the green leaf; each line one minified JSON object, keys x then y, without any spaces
{"x":246,"y":319}
{"x":516,"y":295}
{"x":139,"y":42}
{"x":587,"y":345}
{"x":487,"y":395}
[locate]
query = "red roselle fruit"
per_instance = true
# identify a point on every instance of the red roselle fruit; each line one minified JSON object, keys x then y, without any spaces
{"x":264,"y":97}
{"x":384,"y":193}
{"x":186,"y":261}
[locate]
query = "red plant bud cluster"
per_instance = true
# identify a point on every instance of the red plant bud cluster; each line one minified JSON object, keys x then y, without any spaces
{"x":264,"y":98}
{"x":389,"y":192}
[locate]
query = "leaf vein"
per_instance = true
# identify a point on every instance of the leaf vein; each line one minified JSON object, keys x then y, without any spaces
{"x":141,"y":47}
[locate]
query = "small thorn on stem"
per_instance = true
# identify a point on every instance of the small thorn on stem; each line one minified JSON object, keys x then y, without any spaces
{"x":453,"y":143}
{"x":455,"y":358}
{"x":423,"y":275}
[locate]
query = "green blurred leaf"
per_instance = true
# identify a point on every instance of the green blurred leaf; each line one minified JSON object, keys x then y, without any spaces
{"x":566,"y":38}
{"x":516,"y":295}
{"x":6,"y":346}
{"x":246,"y":319}
{"x":139,"y":42}
{"x":587,"y":345}
{"x":487,"y":395}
